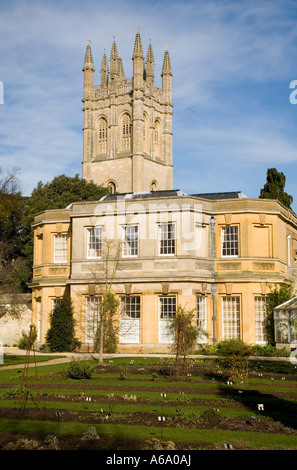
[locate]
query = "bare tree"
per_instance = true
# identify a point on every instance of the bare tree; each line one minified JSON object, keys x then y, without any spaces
{"x":185,"y":334}
{"x":103,"y":274}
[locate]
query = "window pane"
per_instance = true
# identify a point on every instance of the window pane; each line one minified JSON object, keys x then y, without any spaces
{"x":231,"y":317}
{"x":260,"y":319}
{"x":131,"y":241}
{"x":129,"y":319}
{"x":94,"y":242}
{"x":230,"y":241}
{"x":60,"y":249}
{"x":201,"y":317}
{"x":126,"y":132}
{"x":93,"y":309}
{"x":167,"y":239}
{"x":167,"y":308}
{"x":102,"y":136}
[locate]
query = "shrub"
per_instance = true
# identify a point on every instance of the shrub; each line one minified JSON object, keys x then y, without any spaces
{"x":208,"y":349}
{"x":235,"y":368}
{"x":12,"y":393}
{"x":51,"y":442}
{"x":271,"y":351}
{"x":60,"y":336}
{"x":191,"y":417}
{"x":80,"y":369}
{"x":24,"y":341}
{"x":234,"y":347}
{"x":23,"y":444}
{"x":91,"y":434}
{"x":234,"y":361}
{"x":156,"y":444}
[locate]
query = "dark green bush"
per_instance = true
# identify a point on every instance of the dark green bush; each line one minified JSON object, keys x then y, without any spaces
{"x":271,"y":351}
{"x":79,"y":369}
{"x":234,"y":347}
{"x":60,"y":336}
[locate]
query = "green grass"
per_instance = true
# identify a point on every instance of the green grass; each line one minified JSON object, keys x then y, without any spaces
{"x":128,"y":407}
{"x":255,"y":390}
{"x":194,"y":436}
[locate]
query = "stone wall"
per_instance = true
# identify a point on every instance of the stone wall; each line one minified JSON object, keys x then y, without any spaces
{"x":15,"y":317}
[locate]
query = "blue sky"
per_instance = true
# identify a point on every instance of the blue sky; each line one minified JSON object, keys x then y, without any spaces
{"x":232,"y":61}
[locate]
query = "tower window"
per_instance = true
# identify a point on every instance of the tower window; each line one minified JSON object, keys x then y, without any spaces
{"x":126,"y":132}
{"x":112,"y":187}
{"x":157,"y":139}
{"x":145,"y":134}
{"x":102,"y":136}
{"x":154,"y":186}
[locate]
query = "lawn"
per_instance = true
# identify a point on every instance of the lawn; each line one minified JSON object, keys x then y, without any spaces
{"x":134,"y":403}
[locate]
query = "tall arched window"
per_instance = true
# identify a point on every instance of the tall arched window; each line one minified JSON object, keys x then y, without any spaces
{"x":103,"y":147}
{"x":157,"y":139}
{"x":145,"y":134}
{"x":154,"y":186}
{"x":112,"y":187}
{"x":126,"y":132}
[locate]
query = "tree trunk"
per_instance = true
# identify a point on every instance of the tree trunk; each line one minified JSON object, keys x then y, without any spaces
{"x":101,"y":341}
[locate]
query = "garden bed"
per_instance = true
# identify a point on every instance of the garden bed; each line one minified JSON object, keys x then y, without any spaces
{"x":199,"y":411}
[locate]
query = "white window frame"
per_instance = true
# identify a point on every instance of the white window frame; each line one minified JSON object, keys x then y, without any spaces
{"x":127,"y":248}
{"x":168,"y":240}
{"x":130,"y":317}
{"x":39,"y":317}
{"x":92,"y":317}
{"x":166,"y":313}
{"x":231,"y":240}
{"x":54,"y":301}
{"x":60,"y":248}
{"x":260,"y":319}
{"x":230,"y":317}
{"x":201,"y":317}
{"x":94,"y":239}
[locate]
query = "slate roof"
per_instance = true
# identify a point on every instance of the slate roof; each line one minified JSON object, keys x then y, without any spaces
{"x":226,"y":195}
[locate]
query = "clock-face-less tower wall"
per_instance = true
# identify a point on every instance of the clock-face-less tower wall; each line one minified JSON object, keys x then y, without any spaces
{"x":127,"y":135}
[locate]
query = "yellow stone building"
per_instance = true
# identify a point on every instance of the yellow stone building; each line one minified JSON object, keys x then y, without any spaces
{"x":217,"y":254}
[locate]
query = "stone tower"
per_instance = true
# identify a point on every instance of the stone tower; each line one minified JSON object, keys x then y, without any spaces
{"x":127,"y":135}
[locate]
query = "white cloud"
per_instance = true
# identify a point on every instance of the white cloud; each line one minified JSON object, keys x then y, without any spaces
{"x":224,"y":56}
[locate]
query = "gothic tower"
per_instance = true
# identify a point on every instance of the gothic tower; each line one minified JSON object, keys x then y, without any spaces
{"x":127,"y":135}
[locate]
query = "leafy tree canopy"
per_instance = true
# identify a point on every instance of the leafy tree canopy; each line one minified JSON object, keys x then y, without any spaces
{"x":274,"y":188}
{"x":57,"y":194}
{"x":62,"y":191}
{"x":14,"y":268}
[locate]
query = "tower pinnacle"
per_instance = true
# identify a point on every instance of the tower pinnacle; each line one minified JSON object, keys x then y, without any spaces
{"x":138,"y":52}
{"x":166,"y":70}
{"x":88,"y":64}
{"x":104,"y":71}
